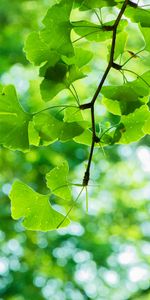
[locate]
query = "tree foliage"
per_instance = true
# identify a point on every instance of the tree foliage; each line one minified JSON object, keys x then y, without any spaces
{"x":103,"y":253}
{"x":62,"y":50}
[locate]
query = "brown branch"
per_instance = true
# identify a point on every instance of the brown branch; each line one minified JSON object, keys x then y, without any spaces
{"x":91,"y":104}
{"x":87,"y":172}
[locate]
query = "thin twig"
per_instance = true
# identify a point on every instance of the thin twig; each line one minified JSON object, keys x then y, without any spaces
{"x":112,"y":51}
{"x":87,"y":172}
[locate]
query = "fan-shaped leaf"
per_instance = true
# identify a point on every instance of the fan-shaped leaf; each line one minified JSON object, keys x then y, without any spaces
{"x":34,"y":208}
{"x":13,"y":121}
{"x":57,"y":181}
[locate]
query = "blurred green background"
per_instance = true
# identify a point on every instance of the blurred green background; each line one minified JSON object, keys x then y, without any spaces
{"x":104,"y":254}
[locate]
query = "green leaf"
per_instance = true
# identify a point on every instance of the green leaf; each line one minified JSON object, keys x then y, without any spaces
{"x":34,"y":208}
{"x":126,"y":98}
{"x":89,"y":4}
{"x":95,"y":32}
{"x":56,"y":33}
{"x":138,"y":15}
{"x":55,"y":73}
{"x":77,"y":3}
{"x":34,"y":138}
{"x":57,"y":181}
{"x":107,"y":139}
{"x":72,"y":114}
{"x":146,"y":127}
{"x":54,"y":40}
{"x":118,"y":133}
{"x":112,"y":106}
{"x":85,"y":138}
{"x":48,"y":127}
{"x":49,"y":89}
{"x":134,"y":125}
{"x":73,"y":74}
{"x":72,"y":129}
{"x":13,"y":121}
{"x":51,"y":129}
{"x":37,"y":51}
{"x":91,"y":31}
{"x":146,"y":33}
{"x":121,"y":40}
{"x":80,"y":59}
{"x":58,"y":78}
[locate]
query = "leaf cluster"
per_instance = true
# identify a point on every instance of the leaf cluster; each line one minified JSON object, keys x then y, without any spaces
{"x":61,"y":51}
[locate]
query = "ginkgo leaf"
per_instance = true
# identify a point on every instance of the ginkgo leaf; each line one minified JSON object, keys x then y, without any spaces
{"x":34,"y":138}
{"x":58,"y":78}
{"x":95,"y":32}
{"x":72,"y":114}
{"x":91,"y":31}
{"x":48,"y":127}
{"x":146,"y":127}
{"x":13,"y":121}
{"x":34,"y":208}
{"x":88,"y":4}
{"x":56,"y":33}
{"x":54,"y":73}
{"x":112,"y":106}
{"x":85,"y":138}
{"x":49,"y":89}
{"x":121,"y":40}
{"x":146,"y":33}
{"x":54,"y":40}
{"x":125,"y":98}
{"x":77,"y":3}
{"x":81,"y":57}
{"x":37,"y":51}
{"x":138,"y":15}
{"x":72,"y":129}
{"x":57,"y":181}
{"x":134,"y":125}
{"x":51,"y":129}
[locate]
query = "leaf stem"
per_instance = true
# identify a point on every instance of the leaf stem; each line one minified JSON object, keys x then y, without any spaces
{"x":81,"y":37}
{"x":70,"y":208}
{"x":52,"y":107}
{"x":75,"y":91}
{"x":87,"y":26}
{"x":98,"y":17}
{"x":138,"y":76}
{"x":134,"y":55}
{"x":74,"y":95}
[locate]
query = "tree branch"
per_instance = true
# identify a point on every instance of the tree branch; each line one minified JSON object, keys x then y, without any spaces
{"x":87,"y":172}
{"x":91,"y":104}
